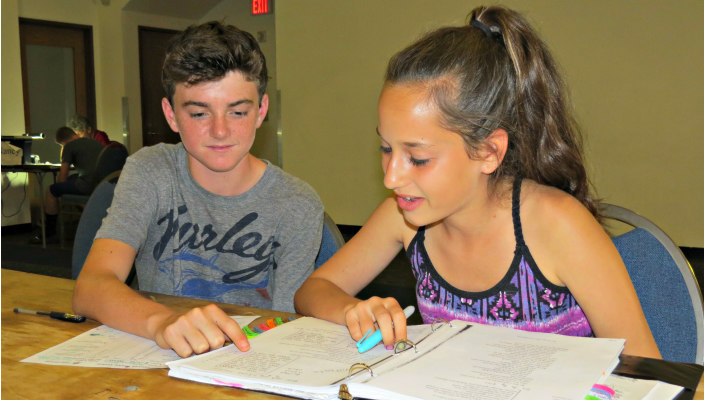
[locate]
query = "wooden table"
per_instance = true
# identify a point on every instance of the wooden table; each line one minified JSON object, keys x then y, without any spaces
{"x":24,"y":335}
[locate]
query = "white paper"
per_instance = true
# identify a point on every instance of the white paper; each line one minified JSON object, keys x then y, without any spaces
{"x":309,"y":357}
{"x":302,"y":358}
{"x":11,"y":154}
{"x":486,"y":362}
{"x":105,"y":347}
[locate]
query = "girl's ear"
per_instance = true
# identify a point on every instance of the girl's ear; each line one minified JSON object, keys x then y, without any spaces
{"x":495,"y":146}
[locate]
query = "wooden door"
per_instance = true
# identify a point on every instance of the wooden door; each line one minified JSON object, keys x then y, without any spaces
{"x":152,"y":50}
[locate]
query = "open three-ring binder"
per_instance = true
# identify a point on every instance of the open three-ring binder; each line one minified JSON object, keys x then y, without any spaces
{"x":315,"y":359}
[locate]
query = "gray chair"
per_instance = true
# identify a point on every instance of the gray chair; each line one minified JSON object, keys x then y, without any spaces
{"x":108,"y":165}
{"x":96,"y":208}
{"x":665,"y":284}
{"x":331,"y":242}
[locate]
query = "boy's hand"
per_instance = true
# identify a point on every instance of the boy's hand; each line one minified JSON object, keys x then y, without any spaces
{"x":199,"y":330}
{"x":385,"y":312}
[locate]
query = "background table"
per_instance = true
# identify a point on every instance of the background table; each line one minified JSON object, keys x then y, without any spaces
{"x":39,"y":170}
{"x":24,"y":335}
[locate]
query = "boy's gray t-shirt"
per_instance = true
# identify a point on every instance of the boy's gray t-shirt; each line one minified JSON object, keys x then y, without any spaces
{"x":253,"y":249}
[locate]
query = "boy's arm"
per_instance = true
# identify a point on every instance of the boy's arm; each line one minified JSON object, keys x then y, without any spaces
{"x":65,"y":164}
{"x":63,"y":172}
{"x":100,"y":293}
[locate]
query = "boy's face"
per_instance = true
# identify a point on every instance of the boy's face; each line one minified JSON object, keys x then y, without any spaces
{"x":217,"y":121}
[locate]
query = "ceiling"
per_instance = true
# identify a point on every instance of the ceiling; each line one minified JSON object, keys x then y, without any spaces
{"x":189,"y":9}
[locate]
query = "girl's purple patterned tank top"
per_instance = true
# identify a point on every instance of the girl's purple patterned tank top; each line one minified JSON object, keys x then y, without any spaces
{"x":524,"y":299}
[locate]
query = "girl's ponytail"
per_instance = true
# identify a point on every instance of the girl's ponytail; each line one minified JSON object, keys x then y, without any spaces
{"x":549,"y":139}
{"x":496,"y":72}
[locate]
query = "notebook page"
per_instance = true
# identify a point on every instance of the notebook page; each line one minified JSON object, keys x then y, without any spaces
{"x":485,"y":362}
{"x":307,"y":356}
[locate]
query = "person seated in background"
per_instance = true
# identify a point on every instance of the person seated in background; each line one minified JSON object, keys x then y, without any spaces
{"x":80,"y":152}
{"x":203,"y":218}
{"x":84,"y":129}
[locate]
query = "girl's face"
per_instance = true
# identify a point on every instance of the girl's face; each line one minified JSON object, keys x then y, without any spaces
{"x":426,"y":165}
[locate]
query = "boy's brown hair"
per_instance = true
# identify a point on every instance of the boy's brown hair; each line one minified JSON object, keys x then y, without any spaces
{"x":206,"y":52}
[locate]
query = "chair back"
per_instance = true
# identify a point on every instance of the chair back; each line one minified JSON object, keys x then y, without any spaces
{"x":112,"y":158}
{"x":665,"y":284}
{"x":332,"y":240}
{"x":95,"y":210}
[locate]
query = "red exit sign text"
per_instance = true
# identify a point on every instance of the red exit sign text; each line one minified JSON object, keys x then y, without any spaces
{"x":260,"y":7}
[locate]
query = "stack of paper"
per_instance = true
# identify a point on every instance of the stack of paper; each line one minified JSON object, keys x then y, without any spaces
{"x":310,"y":358}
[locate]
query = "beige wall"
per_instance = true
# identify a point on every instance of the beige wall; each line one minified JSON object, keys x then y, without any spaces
{"x":634,"y":68}
{"x":11,"y":103}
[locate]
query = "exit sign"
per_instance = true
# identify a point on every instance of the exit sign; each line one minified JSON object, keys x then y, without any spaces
{"x":260,"y":7}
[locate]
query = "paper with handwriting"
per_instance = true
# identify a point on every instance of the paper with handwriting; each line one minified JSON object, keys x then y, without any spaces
{"x":105,"y":347}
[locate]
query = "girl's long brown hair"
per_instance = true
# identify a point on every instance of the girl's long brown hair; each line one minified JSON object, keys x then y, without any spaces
{"x":496,"y":72}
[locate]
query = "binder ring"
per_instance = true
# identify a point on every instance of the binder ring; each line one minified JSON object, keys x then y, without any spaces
{"x":344,"y":393}
{"x":403,"y":345}
{"x":438,"y":323}
{"x":357,"y":366}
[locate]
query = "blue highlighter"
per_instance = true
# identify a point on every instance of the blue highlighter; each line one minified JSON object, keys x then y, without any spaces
{"x":372,"y":339}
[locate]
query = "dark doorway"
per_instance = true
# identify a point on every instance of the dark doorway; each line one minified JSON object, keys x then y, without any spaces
{"x":152,"y":50}
{"x":57,"y":78}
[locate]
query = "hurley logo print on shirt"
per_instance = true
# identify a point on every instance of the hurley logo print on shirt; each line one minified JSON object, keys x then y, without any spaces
{"x":254,"y":256}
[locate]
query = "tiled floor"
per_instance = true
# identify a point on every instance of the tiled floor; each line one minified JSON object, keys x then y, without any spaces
{"x":19,"y":254}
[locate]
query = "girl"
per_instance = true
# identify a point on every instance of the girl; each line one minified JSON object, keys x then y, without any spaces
{"x":491,"y":199}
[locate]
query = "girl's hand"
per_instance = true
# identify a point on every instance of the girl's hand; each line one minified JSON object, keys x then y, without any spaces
{"x":386,"y":313}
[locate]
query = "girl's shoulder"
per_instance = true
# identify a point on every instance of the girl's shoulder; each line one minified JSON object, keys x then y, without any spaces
{"x":553,"y":217}
{"x":556,"y":226}
{"x":547,"y":205}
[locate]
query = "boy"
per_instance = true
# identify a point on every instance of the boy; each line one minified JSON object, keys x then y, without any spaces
{"x":203,"y":218}
{"x":80,"y":152}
